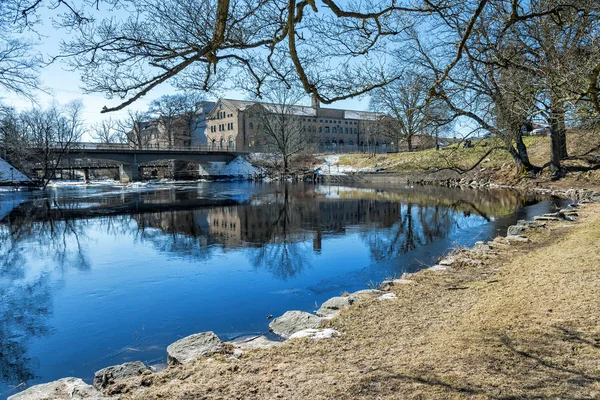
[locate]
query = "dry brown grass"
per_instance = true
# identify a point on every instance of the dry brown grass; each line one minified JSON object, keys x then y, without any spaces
{"x":526,"y":324}
{"x":454,"y":156}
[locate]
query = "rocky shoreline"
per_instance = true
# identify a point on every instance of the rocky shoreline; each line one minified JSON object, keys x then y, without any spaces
{"x":298,"y":324}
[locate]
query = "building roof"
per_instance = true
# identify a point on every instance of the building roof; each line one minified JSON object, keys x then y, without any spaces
{"x":306,"y":111}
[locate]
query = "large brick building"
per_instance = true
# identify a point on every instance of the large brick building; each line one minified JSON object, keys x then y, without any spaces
{"x":233,"y":125}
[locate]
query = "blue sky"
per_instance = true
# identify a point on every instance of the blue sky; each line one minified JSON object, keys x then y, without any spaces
{"x":64,"y":85}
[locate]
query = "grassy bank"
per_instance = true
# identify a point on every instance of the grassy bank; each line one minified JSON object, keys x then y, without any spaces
{"x":498,"y":166}
{"x":524,"y":324}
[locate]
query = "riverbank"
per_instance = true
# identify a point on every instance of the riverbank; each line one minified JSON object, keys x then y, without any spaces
{"x":580,"y":170}
{"x":522,"y":323}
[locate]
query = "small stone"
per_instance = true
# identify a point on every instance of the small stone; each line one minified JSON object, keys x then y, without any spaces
{"x":316,"y":334}
{"x":515,"y":230}
{"x":387,"y":296}
{"x":517,"y":238}
{"x":237,"y":353}
{"x":480,"y":248}
{"x":158,"y":367}
{"x":367,"y":292}
{"x":448,"y":261}
{"x":403,"y":281}
{"x":294,"y":321}
{"x":545,"y":218}
{"x":107,"y":376}
{"x":438,"y":268}
{"x":193,"y":347}
{"x":469,"y":261}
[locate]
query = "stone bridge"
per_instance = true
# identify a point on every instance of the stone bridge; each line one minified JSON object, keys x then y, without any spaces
{"x":129,"y":159}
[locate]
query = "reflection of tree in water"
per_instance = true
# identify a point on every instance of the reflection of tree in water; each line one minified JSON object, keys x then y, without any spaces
{"x":31,"y":229}
{"x":282,"y":253}
{"x":26,"y":298}
{"x":23,"y":309}
{"x":176,"y":232}
{"x":416,"y":226}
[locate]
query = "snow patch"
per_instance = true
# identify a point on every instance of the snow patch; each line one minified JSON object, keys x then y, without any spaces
{"x":331,"y":166}
{"x":238,"y":168}
{"x":9,"y":174}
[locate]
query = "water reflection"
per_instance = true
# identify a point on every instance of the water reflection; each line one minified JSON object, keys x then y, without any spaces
{"x":285,"y":231}
{"x":275,"y":223}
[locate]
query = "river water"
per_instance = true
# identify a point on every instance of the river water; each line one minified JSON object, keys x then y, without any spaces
{"x":100,"y":275}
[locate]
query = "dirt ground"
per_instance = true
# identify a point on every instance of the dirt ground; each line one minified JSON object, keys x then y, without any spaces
{"x":523,"y":325}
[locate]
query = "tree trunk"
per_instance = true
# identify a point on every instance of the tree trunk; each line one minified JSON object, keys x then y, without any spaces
{"x":409,"y":143}
{"x":558,"y":143}
{"x":521,"y":148}
{"x":521,"y":160}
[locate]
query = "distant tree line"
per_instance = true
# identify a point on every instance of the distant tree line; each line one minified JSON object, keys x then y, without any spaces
{"x":40,"y":138}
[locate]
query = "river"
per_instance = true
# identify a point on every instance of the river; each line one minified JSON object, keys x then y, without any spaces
{"x":92,"y":276}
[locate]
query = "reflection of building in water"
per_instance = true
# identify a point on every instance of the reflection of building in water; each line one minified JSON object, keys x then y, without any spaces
{"x":259,"y":224}
{"x":296,"y":220}
{"x":224,"y":225}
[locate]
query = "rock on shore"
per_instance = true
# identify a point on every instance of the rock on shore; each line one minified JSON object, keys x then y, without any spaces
{"x":193,"y":347}
{"x":294,"y":321}
{"x":107,"y":376}
{"x":62,"y":389}
{"x":334,"y":305}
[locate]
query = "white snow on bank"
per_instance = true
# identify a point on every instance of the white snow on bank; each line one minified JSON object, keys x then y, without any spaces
{"x":331,"y":166}
{"x":9,"y":174}
{"x":78,"y":184}
{"x":239,"y":167}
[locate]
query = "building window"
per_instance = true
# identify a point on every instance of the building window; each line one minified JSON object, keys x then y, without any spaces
{"x":345,"y":130}
{"x":222,"y":143}
{"x":230,"y":143}
{"x":251,"y":125}
{"x":326,"y":129}
{"x":334,"y":130}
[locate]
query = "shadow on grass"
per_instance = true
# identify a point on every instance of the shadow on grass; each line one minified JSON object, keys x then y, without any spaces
{"x":562,"y":363}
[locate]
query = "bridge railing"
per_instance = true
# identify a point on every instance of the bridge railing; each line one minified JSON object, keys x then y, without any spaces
{"x":123,"y":146}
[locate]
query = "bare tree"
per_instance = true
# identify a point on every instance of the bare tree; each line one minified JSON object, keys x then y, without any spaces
{"x":105,"y":131}
{"x":177,"y":117}
{"x":40,"y":138}
{"x":279,"y":123}
{"x":405,"y":101}
{"x":54,"y":132}
{"x":131,"y":129}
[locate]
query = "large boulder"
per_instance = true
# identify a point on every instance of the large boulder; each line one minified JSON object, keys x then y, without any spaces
{"x":334,"y":305}
{"x":294,"y":321}
{"x":62,"y":389}
{"x":193,"y":347}
{"x":107,"y":376}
